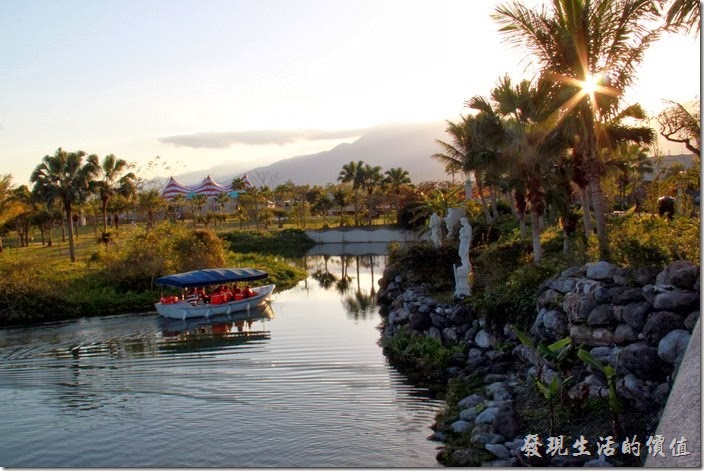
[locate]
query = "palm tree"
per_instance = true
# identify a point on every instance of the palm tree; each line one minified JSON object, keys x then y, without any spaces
{"x":64,"y":176}
{"x":370,"y":178}
{"x":531,"y":142}
{"x":396,"y":179}
{"x":150,"y":202}
{"x":473,"y":149}
{"x":593,"y":47}
{"x":112,"y":183}
{"x":341,"y":199}
{"x":684,"y":14}
{"x":352,"y":173}
{"x":10,"y":207}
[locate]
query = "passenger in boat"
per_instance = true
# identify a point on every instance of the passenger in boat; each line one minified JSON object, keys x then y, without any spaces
{"x":193,"y":297}
{"x":236,"y":292}
{"x":248,"y":293}
{"x":202,"y":296}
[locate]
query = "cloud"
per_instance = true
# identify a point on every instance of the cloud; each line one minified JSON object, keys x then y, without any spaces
{"x":223,"y":140}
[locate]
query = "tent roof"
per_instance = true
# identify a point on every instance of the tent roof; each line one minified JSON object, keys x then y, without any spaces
{"x":211,"y":276}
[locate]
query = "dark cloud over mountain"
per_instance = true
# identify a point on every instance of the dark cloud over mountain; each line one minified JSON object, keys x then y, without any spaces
{"x":223,"y":140}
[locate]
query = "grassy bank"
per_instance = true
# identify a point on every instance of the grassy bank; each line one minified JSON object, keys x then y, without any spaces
{"x":38,"y":283}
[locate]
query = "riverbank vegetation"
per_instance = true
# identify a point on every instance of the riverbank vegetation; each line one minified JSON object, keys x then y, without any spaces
{"x":39,"y":284}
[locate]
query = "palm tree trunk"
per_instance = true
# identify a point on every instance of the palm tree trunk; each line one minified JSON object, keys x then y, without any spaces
{"x":69,"y":217}
{"x":597,"y":197}
{"x":522,"y":224}
{"x":485,"y":206}
{"x":105,"y":215}
{"x":585,"y":209}
{"x":535,"y":230}
{"x":494,"y":202}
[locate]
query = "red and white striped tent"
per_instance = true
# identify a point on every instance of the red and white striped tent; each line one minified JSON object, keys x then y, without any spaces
{"x":207,"y":187}
{"x":174,"y":188}
{"x":211,"y":188}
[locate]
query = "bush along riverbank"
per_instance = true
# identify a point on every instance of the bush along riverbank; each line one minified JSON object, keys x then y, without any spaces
{"x":119,"y":278}
{"x":583,"y":384}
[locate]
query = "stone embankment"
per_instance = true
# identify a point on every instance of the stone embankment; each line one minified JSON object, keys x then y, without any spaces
{"x":637,"y":321}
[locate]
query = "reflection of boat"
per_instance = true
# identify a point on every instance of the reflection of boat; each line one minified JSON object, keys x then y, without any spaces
{"x":215,"y":333}
{"x":222,"y":324}
{"x":173,"y":307}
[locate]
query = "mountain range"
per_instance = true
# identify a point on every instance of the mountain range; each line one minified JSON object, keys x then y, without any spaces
{"x":408,"y":146}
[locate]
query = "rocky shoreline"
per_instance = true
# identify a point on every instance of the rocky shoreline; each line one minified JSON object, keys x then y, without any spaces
{"x":637,"y":322}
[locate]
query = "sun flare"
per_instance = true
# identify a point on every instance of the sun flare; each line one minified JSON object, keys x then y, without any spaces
{"x":591,"y":84}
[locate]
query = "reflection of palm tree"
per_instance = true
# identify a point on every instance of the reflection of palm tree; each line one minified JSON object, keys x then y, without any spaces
{"x":325,"y":278}
{"x":360,"y":306}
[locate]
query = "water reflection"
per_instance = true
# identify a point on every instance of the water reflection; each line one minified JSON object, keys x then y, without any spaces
{"x":197,"y":335}
{"x":360,"y":304}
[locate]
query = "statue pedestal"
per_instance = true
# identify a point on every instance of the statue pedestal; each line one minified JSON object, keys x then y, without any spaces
{"x":462,"y":288}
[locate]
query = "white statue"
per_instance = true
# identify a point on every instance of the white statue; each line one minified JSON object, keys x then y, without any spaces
{"x":451,"y":220}
{"x":462,"y":272}
{"x":436,"y":230}
{"x":465,"y":241}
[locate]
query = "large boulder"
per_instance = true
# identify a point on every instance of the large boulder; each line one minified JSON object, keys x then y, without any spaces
{"x":675,"y":300}
{"x":680,"y":273}
{"x":640,"y":360}
{"x":601,"y":270}
{"x":673,"y":345}
{"x":636,"y":314}
{"x":660,"y":324}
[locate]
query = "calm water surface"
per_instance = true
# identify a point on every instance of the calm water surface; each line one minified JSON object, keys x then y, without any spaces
{"x":302,"y":384}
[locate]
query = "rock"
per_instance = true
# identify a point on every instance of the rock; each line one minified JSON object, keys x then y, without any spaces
{"x":438,"y":437}
{"x":438,"y":320}
{"x":680,"y":271}
{"x":469,"y":415}
{"x":659,"y":324}
{"x":449,"y":336}
{"x":591,"y":336}
{"x":601,"y":315}
{"x":635,"y":314}
{"x":434,"y":332}
{"x":460,"y":314}
{"x":602,"y":295}
{"x":419,"y":321}
{"x":673,"y":345}
{"x":506,"y":422}
{"x":572,"y":272}
{"x":483,"y":438}
{"x":577,"y":307}
{"x":471,"y":401}
{"x":498,"y":449}
{"x":586,"y":286}
{"x":639,"y":359}
{"x":487,"y":416}
{"x":660,"y":393}
{"x":484,"y":339}
{"x":550,"y":297}
{"x":691,"y":320}
{"x":562,"y":285}
{"x":460,"y":426}
{"x":623,"y":295}
{"x":625,"y":334}
{"x":601,"y":270}
{"x":675,"y":300}
{"x":646,"y":276}
{"x":606,"y":355}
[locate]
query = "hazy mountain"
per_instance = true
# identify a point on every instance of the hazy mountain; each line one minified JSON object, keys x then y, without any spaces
{"x":404,"y":145}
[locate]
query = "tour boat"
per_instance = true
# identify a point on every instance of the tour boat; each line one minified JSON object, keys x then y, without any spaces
{"x":176,"y":307}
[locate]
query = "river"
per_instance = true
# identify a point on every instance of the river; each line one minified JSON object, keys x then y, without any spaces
{"x":304,"y":384}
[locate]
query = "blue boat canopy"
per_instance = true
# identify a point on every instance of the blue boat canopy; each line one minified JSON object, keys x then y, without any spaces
{"x":211,"y":276}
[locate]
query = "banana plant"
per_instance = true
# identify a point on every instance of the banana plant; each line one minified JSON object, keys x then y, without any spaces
{"x":610,"y":373}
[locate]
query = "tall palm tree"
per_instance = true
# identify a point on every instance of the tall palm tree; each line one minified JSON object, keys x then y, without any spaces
{"x":531,"y":142}
{"x":341,"y":199}
{"x":150,"y":201}
{"x":10,"y":207}
{"x":352,"y":173}
{"x":397,"y":178}
{"x":594,"y":47}
{"x":113,"y":183}
{"x":473,"y":148}
{"x":370,"y":178}
{"x":65,"y":177}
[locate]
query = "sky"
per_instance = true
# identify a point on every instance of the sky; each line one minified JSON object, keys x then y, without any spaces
{"x":201,"y":83}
